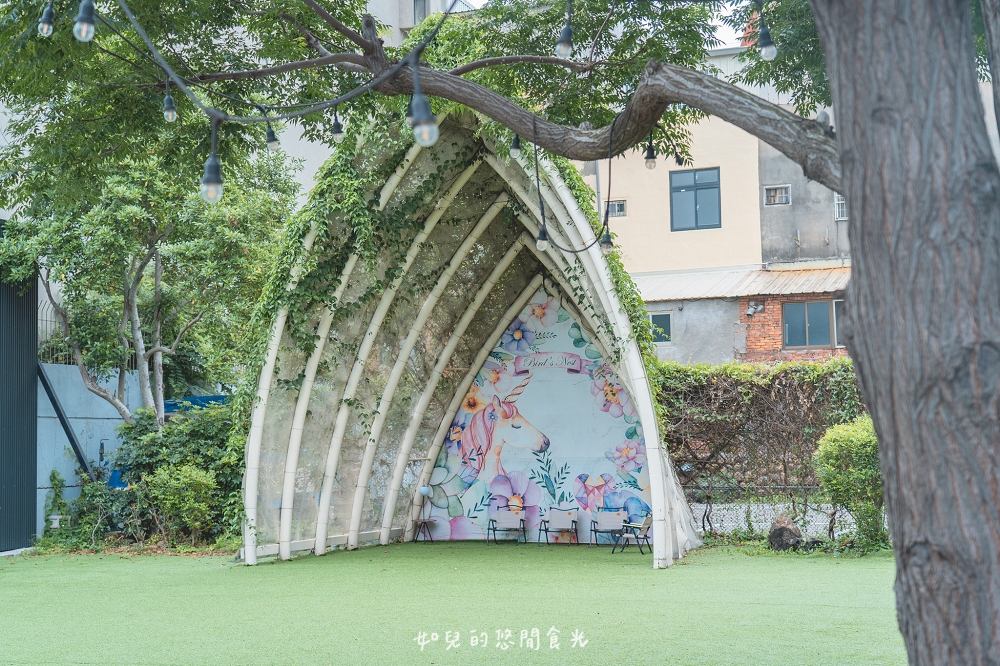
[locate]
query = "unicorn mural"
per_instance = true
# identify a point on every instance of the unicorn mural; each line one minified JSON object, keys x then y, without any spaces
{"x":544,"y":376}
{"x":497,"y":427}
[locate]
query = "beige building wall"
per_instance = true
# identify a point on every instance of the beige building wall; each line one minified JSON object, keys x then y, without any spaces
{"x":644,"y":235}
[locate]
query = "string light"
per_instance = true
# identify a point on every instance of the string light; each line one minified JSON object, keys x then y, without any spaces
{"x":83,"y":28}
{"x":272,"y":140}
{"x":425,"y":129}
{"x":768,"y":50}
{"x":565,"y":44}
{"x":169,"y":110}
{"x":211,"y":182}
{"x":515,"y":147}
{"x":338,"y":129}
{"x":48,"y":21}
{"x":542,"y":241}
{"x":650,"y":154}
{"x":607,"y":245}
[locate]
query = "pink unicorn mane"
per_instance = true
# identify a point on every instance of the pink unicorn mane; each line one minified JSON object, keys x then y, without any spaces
{"x":478,"y":437}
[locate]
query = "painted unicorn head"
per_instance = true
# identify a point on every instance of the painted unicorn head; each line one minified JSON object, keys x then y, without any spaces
{"x":494,"y":427}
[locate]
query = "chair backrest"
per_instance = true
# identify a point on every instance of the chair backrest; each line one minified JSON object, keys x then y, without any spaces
{"x":610,"y":520}
{"x":647,"y":522}
{"x":560,"y":519}
{"x":507,"y":519}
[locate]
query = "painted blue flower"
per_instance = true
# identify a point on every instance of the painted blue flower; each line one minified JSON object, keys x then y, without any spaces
{"x":518,"y":338}
{"x":634,"y":506}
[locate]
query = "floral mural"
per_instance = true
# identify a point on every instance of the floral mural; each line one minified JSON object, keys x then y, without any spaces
{"x":546,"y":424}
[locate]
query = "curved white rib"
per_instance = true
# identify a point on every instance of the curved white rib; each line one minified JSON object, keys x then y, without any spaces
{"x":403,"y":357}
{"x":397,"y":176}
{"x":301,"y":410}
{"x":333,"y":456}
{"x":403,"y":455}
{"x":251,"y":479}
{"x":491,"y":342}
{"x":665,"y":546}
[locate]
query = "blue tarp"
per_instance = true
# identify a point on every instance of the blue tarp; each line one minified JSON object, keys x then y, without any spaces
{"x":195,"y":400}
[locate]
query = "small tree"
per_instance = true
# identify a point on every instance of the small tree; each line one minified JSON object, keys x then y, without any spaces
{"x":848,"y":469}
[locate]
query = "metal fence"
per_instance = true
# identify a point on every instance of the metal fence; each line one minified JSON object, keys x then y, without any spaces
{"x":52,"y":347}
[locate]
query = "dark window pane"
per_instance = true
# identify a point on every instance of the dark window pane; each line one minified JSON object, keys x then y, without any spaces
{"x":662,"y":321}
{"x":838,"y":317}
{"x":708,"y":207}
{"x":794,"y":316}
{"x":707,"y":176}
{"x":681,"y":178}
{"x":419,"y":11}
{"x":682,"y":210}
{"x":819,"y":324}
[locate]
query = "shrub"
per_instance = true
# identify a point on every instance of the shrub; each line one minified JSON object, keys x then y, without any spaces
{"x":181,"y":497}
{"x":848,"y":469}
{"x":199,"y":438}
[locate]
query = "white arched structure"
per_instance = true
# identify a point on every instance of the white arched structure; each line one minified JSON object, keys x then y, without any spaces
{"x":462,"y":358}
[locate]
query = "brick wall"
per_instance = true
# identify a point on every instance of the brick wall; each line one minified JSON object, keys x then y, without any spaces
{"x":764,"y":332}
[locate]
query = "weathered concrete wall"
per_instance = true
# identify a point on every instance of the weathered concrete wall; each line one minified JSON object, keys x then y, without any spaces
{"x":702,"y":331}
{"x":804,"y":229}
{"x":93,"y":420}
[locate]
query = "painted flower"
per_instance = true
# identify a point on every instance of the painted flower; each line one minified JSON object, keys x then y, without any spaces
{"x":459,"y":528}
{"x":590,"y":490}
{"x":496,"y":380}
{"x":628,"y":456}
{"x":473,"y":401}
{"x":609,"y":393}
{"x":518,"y":338}
{"x":541,"y":312}
{"x":634,"y":506}
{"x":514,"y":491}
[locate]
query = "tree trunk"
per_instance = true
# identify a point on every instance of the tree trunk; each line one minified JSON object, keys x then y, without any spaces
{"x":924,"y":305}
{"x":158,"y":340}
{"x":142,"y":364}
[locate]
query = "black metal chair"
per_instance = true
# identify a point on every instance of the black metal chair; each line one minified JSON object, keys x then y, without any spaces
{"x":636,"y":532}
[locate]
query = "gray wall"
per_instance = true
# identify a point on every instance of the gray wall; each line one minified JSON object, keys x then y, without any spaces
{"x":811,"y":213}
{"x":702,"y":331}
{"x":93,"y":419}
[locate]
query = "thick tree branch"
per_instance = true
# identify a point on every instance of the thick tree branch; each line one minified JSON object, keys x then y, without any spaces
{"x":332,"y":21}
{"x":172,"y":349}
{"x":800,"y":139}
{"x":523,"y":59}
{"x":333,"y":59}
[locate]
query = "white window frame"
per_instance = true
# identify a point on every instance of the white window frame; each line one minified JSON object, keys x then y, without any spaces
{"x":838,"y":201}
{"x":624,"y":208}
{"x":778,"y":187}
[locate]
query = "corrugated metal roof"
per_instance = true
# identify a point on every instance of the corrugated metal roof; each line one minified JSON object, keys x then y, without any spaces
{"x":741,"y":282}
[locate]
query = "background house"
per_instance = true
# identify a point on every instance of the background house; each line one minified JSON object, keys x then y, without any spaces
{"x":738,"y":255}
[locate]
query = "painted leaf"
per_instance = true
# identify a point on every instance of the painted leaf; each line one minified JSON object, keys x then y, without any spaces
{"x":455,"y":507}
{"x":438,"y":497}
{"x":593,"y":353}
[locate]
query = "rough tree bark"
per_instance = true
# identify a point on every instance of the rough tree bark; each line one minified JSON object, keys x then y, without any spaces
{"x":924,"y":305}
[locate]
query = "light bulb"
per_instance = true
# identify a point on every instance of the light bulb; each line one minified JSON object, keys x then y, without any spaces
{"x":83,"y":29}
{"x":515,"y":147}
{"x":272,"y":140}
{"x":650,"y":156}
{"x":565,"y":44}
{"x":84,"y":32}
{"x":426,"y":133}
{"x":47,"y":22}
{"x":542,"y":241}
{"x":607,"y":245}
{"x":169,"y":110}
{"x":338,"y":130}
{"x":768,"y":51}
{"x":211,"y":192}
{"x":211,"y":182}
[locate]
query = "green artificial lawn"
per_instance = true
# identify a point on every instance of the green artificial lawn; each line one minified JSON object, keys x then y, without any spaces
{"x":718,"y":606}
